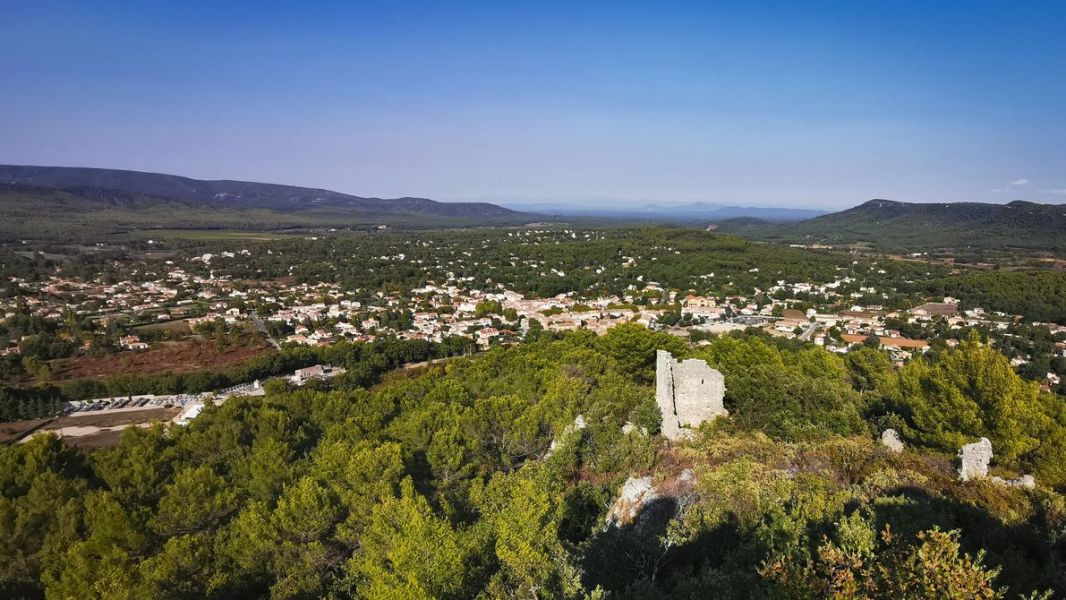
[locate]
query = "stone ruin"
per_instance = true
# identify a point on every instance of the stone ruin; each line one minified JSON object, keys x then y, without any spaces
{"x":973,"y":464}
{"x":1025,"y":481}
{"x":688,"y":393}
{"x":890,"y":439}
{"x":974,"y":459}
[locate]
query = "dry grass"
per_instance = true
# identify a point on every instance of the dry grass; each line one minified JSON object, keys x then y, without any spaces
{"x":188,"y":356}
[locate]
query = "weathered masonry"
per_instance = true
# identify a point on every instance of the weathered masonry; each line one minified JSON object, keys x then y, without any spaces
{"x":688,"y":393}
{"x":974,"y":459}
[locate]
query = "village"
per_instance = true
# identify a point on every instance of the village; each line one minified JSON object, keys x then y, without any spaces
{"x":132,"y":315}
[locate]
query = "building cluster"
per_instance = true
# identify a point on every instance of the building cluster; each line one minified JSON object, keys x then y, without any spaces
{"x":202,"y":295}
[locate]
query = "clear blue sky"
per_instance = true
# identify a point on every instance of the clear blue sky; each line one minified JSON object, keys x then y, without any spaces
{"x":819,"y":104}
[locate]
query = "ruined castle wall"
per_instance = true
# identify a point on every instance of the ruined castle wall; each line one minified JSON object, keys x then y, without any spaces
{"x":664,"y":393}
{"x":664,"y":381}
{"x":688,"y":393}
{"x":698,"y":392}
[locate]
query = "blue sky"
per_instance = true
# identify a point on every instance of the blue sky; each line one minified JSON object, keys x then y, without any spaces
{"x":803,"y":104}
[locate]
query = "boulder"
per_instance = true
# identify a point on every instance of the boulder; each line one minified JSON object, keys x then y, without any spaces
{"x":637,"y":492}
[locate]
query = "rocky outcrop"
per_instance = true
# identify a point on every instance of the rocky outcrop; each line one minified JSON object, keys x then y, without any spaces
{"x":688,"y":393}
{"x":578,"y":425}
{"x":637,"y":493}
{"x":642,"y":504}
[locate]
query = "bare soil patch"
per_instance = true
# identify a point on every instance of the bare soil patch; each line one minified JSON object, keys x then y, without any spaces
{"x":179,"y":326}
{"x":105,"y":438}
{"x":10,"y":432}
{"x":186,"y":356}
{"x":111,"y":419}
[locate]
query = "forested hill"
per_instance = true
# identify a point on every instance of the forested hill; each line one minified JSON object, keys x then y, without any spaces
{"x":244,"y":194}
{"x":471,"y":480}
{"x":906,"y":226}
{"x":111,"y":197}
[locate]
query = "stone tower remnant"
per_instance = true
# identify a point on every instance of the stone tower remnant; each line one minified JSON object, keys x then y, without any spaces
{"x":974,"y":459}
{"x":688,"y":393}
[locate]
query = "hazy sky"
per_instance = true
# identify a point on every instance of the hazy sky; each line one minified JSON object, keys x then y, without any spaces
{"x":814,"y":104}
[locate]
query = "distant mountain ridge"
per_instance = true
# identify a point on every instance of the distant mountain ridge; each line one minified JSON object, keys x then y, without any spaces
{"x":896,"y":225}
{"x":101,"y":183}
{"x":81,"y":204}
{"x":670,"y":213}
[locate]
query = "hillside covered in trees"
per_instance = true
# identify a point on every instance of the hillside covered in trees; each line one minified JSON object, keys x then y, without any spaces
{"x":469,"y":479}
{"x":911,"y":227}
{"x":1036,"y":295}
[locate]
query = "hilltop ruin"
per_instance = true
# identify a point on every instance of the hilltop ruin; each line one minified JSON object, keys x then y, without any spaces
{"x":688,"y":393}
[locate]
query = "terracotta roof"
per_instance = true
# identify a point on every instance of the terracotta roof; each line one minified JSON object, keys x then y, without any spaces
{"x":899,"y":342}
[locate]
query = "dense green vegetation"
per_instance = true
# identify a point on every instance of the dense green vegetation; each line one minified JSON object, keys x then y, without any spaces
{"x":439,"y":484}
{"x":1036,"y":295}
{"x":1032,"y":343}
{"x":591,"y":261}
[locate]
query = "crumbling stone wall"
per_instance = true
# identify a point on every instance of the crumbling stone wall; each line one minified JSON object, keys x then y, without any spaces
{"x":890,"y":439}
{"x":974,"y":459}
{"x":688,"y":393}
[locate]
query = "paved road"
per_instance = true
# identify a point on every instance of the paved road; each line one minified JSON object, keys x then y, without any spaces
{"x":261,"y":326}
{"x":807,"y":333}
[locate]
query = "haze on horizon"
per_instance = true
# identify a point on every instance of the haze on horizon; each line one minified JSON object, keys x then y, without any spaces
{"x":804,"y":105}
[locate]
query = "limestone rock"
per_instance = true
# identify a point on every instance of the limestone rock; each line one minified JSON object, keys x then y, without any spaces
{"x":688,"y":393}
{"x":578,"y":425}
{"x":890,"y":439}
{"x":974,"y":459}
{"x":637,"y":492}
